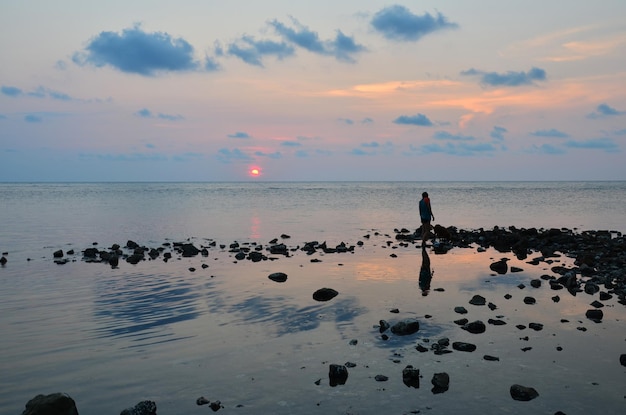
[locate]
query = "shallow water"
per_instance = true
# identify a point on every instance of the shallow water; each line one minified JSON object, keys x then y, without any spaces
{"x":155,"y":330}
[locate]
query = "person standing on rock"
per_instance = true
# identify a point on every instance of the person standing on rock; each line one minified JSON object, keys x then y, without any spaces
{"x":426,"y":213}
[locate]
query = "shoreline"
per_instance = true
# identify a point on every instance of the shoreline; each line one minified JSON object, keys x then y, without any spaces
{"x":597,"y":256}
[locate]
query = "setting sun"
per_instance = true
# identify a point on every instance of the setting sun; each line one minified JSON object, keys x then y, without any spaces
{"x":254,"y":171}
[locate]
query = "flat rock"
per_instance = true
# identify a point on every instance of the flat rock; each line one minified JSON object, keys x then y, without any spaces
{"x":278,"y":277}
{"x":475,"y":327}
{"x":406,"y":327}
{"x":478,"y":300}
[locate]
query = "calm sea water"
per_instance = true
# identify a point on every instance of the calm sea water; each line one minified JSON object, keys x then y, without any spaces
{"x":36,"y":215}
{"x":155,"y":330}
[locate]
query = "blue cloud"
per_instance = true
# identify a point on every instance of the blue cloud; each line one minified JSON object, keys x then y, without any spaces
{"x":620,"y":132}
{"x":605,"y":144}
{"x":146,"y":113}
{"x":372,"y":144}
{"x":367,"y":120}
{"x":459,"y":149}
{"x":138,"y":52}
{"x":399,"y":23}
{"x":253,"y":51}
{"x":498,"y":133}
{"x":547,"y":149}
{"x":347,"y":121}
{"x":211,"y":64}
{"x":342,"y":47}
{"x":239,"y":134}
{"x":228,"y":156}
{"x":604,"y":110}
{"x":510,"y":78}
{"x":444,"y":135}
{"x":290,"y":144}
{"x":302,"y":154}
{"x":11,"y":91}
{"x":550,"y":133}
{"x":275,"y":155}
{"x":418,"y":119}
{"x":32,"y":118}
{"x":360,"y":152}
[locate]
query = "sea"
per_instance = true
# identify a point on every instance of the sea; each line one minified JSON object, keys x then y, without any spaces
{"x":217,"y":327}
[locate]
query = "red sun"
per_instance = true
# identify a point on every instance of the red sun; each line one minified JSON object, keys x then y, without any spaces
{"x":254,"y":171}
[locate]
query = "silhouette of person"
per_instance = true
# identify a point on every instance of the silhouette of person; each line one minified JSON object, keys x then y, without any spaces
{"x":426,"y":275}
{"x":426,"y":213}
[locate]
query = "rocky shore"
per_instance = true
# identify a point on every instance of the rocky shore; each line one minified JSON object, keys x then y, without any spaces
{"x":598,"y":270}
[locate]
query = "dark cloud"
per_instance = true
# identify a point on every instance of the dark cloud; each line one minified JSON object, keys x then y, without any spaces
{"x":253,"y":51}
{"x":444,"y":135}
{"x":239,"y":134}
{"x":498,"y":133}
{"x":342,"y":47}
{"x":418,"y":119}
{"x":605,"y":144}
{"x":146,"y":113}
{"x":138,"y":52}
{"x":604,"y":110}
{"x":550,"y":133}
{"x":399,"y":23}
{"x":510,"y":78}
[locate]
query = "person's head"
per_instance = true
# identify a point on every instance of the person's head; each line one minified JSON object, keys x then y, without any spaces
{"x":425,"y":194}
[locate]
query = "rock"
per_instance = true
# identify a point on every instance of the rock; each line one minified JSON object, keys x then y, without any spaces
{"x":529,"y":300}
{"x":597,"y":304}
{"x":595,"y":315}
{"x":501,"y":267}
{"x":536,"y":326}
{"x":3,"y":260}
{"x":463,"y":347}
{"x":461,"y":322}
{"x":216,"y":406}
{"x":383,"y":326}
{"x":189,"y":250}
{"x":411,"y":377}
{"x":114,"y":261}
{"x":58,"y":254}
{"x":53,"y":404}
{"x":337,"y":375}
{"x":441,"y":382}
{"x":278,"y":277}
{"x":406,"y":327}
{"x":202,"y":401}
{"x":381,"y":378}
{"x":460,"y":310}
{"x":491,"y":358}
{"x":475,"y":327}
{"x":523,"y":393}
{"x":516,"y":269}
{"x":142,"y":408}
{"x":496,"y":322}
{"x":478,"y":300}
{"x":324,"y":294}
{"x":622,"y":359}
{"x":536,"y":283}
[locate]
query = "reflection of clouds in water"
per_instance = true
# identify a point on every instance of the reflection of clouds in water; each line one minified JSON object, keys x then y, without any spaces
{"x":142,"y":306}
{"x":289,"y":318}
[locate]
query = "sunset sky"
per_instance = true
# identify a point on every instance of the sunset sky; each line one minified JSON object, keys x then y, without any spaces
{"x":151,"y":90}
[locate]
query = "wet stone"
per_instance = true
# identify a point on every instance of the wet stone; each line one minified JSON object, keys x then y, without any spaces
{"x":478,"y":300}
{"x":460,"y":310}
{"x":464,"y":347}
{"x":523,"y":393}
{"x":529,"y":300}
{"x":475,"y":327}
{"x":411,"y":377}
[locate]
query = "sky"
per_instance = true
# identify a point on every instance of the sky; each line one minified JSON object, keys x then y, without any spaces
{"x":203,"y":90}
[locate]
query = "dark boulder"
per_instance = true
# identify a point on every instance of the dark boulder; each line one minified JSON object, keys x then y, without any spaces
{"x":595,"y":315}
{"x":463,"y":347}
{"x":411,"y":377}
{"x":142,"y":408}
{"x":478,"y":300}
{"x":475,"y":327}
{"x":622,"y":359}
{"x":406,"y":327}
{"x":188,"y":250}
{"x":324,"y":294}
{"x":337,"y":374}
{"x":278,"y":277}
{"x":441,"y":382}
{"x":523,"y":393}
{"x":58,"y":254}
{"x":501,"y":267}
{"x":53,"y":404}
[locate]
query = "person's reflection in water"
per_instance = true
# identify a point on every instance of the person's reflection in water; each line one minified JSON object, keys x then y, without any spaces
{"x":426,"y":275}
